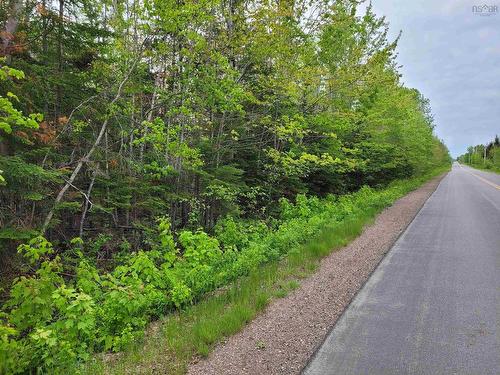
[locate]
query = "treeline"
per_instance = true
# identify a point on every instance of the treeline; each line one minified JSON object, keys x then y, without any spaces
{"x":483,"y":156}
{"x":176,"y":128}
{"x":197,"y":110}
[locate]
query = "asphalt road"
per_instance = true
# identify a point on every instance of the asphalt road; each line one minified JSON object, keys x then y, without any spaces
{"x":432,"y":306}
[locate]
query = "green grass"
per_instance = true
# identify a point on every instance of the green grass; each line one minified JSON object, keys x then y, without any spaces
{"x":194,"y":331}
{"x":481,"y":167}
{"x":175,"y":340}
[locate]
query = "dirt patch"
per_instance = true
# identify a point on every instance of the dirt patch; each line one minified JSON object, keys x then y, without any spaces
{"x":281,"y":340}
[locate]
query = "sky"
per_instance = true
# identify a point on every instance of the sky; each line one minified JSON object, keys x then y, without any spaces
{"x":452,"y":56}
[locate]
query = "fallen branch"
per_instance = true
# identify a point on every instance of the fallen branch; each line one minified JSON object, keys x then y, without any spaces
{"x":88,"y":155}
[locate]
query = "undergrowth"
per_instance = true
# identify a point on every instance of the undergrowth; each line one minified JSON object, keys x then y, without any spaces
{"x":192,"y":331}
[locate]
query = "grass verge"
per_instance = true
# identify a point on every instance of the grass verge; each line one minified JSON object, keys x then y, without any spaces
{"x":482,"y":168}
{"x":175,"y":340}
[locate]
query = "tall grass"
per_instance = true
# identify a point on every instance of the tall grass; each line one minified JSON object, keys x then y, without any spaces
{"x":177,"y":339}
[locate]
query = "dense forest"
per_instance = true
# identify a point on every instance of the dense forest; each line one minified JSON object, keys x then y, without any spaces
{"x":151,"y":151}
{"x":483,"y":156}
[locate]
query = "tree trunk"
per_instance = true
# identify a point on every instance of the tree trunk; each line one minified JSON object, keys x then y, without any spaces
{"x":87,"y":156}
{"x":58,"y":106}
{"x":87,"y":204}
{"x":10,"y":29}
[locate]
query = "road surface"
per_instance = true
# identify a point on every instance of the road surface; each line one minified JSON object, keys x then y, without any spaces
{"x":432,"y":306}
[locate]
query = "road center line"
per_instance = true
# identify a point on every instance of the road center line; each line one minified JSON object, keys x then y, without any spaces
{"x":481,"y":178}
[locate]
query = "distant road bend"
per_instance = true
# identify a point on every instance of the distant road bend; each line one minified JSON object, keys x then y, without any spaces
{"x":432,"y":306}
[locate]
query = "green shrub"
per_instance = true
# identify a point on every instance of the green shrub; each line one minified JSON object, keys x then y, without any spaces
{"x":51,"y":322}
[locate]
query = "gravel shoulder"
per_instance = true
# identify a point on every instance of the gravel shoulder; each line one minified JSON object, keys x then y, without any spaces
{"x":282,"y":339}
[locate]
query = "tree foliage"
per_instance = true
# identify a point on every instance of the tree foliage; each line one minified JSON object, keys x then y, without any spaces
{"x":483,"y":156}
{"x":163,"y":135}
